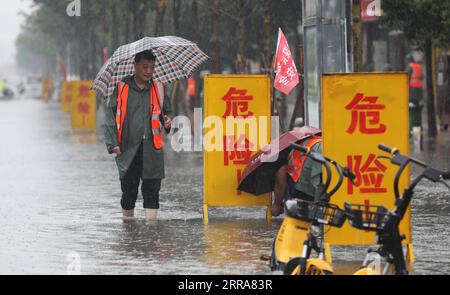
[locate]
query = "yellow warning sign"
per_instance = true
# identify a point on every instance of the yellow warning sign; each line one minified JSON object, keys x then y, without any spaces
{"x":67,"y":90}
{"x":360,"y":111}
{"x":83,"y":106}
{"x":46,"y":87}
{"x":236,"y":125}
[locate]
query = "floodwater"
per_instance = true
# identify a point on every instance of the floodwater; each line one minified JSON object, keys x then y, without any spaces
{"x":60,"y":210}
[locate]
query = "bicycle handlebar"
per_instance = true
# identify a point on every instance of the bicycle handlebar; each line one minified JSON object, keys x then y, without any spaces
{"x":323,"y":160}
{"x":401,"y":160}
{"x":299,"y":148}
{"x":385,"y":148}
{"x":349,"y":174}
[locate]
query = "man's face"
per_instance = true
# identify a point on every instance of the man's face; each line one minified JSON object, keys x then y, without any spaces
{"x":144,"y":69}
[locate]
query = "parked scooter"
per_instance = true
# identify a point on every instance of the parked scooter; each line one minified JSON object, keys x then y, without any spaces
{"x":388,"y":256}
{"x":302,"y":230}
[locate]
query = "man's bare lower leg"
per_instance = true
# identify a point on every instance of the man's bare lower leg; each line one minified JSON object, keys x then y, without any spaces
{"x":151,"y":213}
{"x":128,"y":213}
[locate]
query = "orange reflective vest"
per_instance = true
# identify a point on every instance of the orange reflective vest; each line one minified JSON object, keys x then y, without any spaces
{"x":191,"y":86}
{"x":416,"y":76}
{"x":296,"y":160}
{"x":155,"y":111}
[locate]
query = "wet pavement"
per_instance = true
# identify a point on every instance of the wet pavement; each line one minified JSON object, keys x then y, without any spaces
{"x":60,"y":195}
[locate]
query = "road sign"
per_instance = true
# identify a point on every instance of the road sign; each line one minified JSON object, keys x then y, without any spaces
{"x":84,"y":106}
{"x":360,"y":111}
{"x":236,"y":125}
{"x":46,"y":87}
{"x":67,"y":90}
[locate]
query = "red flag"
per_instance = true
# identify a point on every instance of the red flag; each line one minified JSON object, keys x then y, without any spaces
{"x":286,"y":76}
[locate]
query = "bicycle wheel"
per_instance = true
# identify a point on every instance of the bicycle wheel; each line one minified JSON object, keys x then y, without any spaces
{"x":293,"y":267}
{"x":315,"y":271}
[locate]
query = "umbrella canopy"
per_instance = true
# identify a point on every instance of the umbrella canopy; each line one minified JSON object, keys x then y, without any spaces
{"x":176,"y":59}
{"x":259,"y":175}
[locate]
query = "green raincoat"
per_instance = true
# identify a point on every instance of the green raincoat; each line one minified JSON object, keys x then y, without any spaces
{"x":136,"y":129}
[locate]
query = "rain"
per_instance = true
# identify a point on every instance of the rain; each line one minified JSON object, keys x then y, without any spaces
{"x":60,"y":188}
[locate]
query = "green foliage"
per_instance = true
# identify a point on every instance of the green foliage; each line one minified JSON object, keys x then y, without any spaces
{"x":420,"y":19}
{"x":49,"y":32}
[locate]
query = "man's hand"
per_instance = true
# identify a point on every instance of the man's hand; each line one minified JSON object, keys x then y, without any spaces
{"x":167,"y":122}
{"x":116,"y":150}
{"x":276,"y":209}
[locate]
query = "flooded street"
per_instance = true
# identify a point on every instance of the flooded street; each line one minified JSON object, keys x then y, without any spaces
{"x":60,"y":196}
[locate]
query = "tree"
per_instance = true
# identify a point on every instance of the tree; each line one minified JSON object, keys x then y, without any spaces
{"x":214,"y":6}
{"x":425,"y":22}
{"x":160,"y":8}
{"x":221,"y":29}
{"x":266,"y":52}
{"x":356,"y":35}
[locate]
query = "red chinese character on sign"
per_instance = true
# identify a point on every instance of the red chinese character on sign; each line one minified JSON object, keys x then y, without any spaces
{"x":366,"y":114}
{"x":68,"y":87}
{"x":369,"y":174}
{"x":83,"y":91}
{"x":238,"y":152}
{"x":83,"y":108}
{"x":237,"y":103}
{"x":68,"y":98}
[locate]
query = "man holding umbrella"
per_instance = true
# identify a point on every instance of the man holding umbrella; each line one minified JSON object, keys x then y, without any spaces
{"x":136,"y":113}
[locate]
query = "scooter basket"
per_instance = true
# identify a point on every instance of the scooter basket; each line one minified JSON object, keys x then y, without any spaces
{"x":368,"y":218}
{"x":324,"y":213}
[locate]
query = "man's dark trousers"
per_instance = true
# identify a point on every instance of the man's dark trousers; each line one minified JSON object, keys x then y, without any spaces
{"x":130,"y":186}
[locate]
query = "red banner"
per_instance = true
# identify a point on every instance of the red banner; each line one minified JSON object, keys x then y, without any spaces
{"x":286,"y":72}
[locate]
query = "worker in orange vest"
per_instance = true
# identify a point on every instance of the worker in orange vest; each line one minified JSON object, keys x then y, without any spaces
{"x":415,"y":72}
{"x":191,"y":91}
{"x":297,"y":176}
{"x":135,"y":116}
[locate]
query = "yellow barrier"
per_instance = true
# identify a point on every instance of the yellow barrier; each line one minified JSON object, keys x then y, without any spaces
{"x":360,"y":111}
{"x":236,"y":125}
{"x":83,"y":106}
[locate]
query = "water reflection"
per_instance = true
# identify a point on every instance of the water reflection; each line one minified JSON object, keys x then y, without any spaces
{"x":231,"y":245}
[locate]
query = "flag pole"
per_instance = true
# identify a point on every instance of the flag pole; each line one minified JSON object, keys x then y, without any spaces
{"x":272,"y":75}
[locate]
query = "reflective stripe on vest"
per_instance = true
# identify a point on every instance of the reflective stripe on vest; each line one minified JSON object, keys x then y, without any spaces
{"x":191,"y":86}
{"x":155,"y":105}
{"x":296,"y":160}
{"x":122,"y":100}
{"x":155,"y":111}
{"x":416,"y":76}
{"x":160,"y":88}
